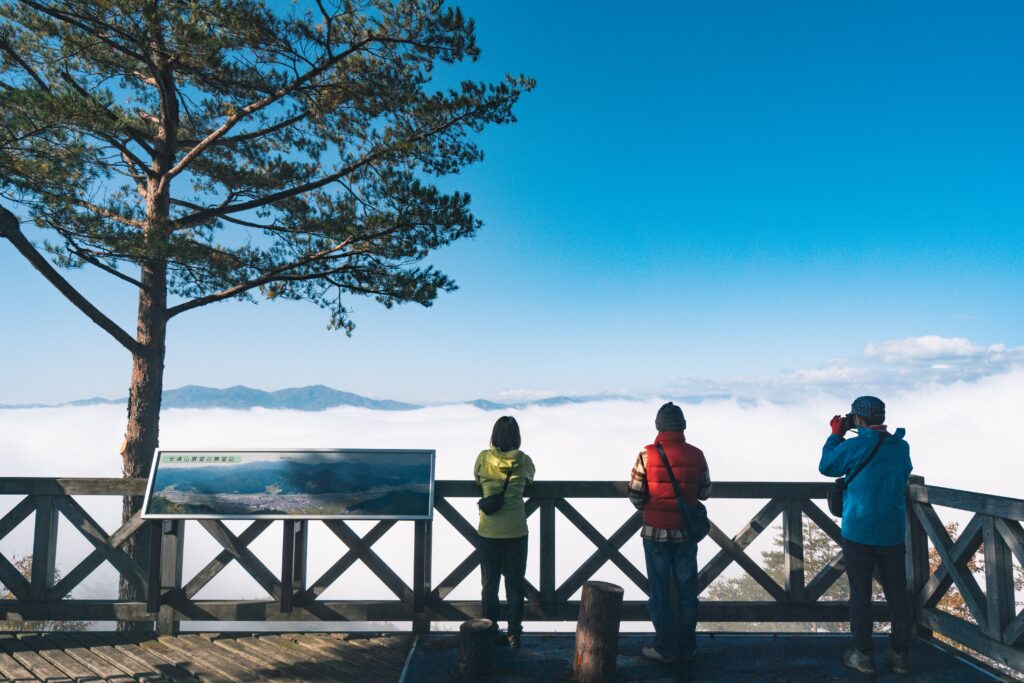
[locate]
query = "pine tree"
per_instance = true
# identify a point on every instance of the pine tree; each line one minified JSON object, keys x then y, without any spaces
{"x":207,"y":150}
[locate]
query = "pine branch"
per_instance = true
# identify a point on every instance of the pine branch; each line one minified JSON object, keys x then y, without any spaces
{"x":10,"y":229}
{"x":278,"y":94}
{"x":269,"y":276}
{"x":226,"y":208}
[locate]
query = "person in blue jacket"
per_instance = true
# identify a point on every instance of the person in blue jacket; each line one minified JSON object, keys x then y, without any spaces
{"x":874,"y":526}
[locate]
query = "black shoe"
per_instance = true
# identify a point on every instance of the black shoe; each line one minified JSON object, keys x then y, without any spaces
{"x":513,"y":641}
{"x":500,"y":639}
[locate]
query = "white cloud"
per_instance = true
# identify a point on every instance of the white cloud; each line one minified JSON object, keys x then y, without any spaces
{"x":925,"y":348}
{"x":948,"y":424}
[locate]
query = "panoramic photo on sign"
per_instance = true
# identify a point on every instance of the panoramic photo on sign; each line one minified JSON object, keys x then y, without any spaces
{"x":353,"y":484}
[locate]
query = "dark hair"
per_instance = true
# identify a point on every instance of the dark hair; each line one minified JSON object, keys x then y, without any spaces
{"x":505,"y":435}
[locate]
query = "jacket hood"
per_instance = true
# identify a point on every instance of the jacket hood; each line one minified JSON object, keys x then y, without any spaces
{"x":505,"y":458}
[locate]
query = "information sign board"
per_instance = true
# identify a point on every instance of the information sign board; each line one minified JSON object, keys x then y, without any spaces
{"x":291,"y":484}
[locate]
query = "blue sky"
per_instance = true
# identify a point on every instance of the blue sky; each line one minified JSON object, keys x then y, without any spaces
{"x":696,"y":196}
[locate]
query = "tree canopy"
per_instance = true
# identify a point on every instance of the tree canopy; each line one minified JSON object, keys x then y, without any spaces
{"x":137,"y":131}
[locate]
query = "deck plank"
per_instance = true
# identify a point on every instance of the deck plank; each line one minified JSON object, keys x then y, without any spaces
{"x":380,"y":648}
{"x":203,"y":651}
{"x":30,"y":659}
{"x":337,"y":647}
{"x":183,"y":661}
{"x":102,"y":645}
{"x":293,"y":649}
{"x":71,"y":667}
{"x":264,"y":661}
{"x":12,"y":671}
{"x":98,"y":665}
{"x":288,"y":648}
{"x":129,"y":644}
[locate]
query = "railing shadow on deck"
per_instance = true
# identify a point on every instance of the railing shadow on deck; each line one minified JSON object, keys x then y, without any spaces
{"x":995,"y":529}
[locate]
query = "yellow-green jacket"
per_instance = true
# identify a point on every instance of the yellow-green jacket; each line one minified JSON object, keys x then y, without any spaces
{"x":489,"y":471}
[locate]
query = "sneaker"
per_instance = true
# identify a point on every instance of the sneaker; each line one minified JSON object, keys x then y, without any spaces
{"x":513,"y":641}
{"x":651,"y":653}
{"x":898,"y":662}
{"x":861,"y":661}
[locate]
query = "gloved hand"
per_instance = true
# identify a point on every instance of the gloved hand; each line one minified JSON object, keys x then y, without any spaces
{"x":837,"y":425}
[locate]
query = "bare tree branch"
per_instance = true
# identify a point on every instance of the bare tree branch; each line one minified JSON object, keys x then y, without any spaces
{"x":10,"y":229}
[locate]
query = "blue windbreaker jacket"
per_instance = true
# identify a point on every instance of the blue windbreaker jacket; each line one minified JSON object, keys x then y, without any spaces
{"x":874,"y":506}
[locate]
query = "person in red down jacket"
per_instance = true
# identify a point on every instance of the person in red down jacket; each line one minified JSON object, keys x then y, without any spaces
{"x":670,"y":554}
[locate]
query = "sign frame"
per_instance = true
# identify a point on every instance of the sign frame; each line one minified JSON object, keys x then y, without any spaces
{"x":145,"y":514}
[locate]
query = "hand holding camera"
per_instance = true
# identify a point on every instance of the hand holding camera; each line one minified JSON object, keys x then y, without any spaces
{"x":841,"y":424}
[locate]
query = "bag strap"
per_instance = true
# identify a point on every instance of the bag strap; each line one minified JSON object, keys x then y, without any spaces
{"x":671,"y":476}
{"x":881,"y":438}
{"x":508,"y":475}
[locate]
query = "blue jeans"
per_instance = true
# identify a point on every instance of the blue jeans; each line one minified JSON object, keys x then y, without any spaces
{"x":667,"y":562}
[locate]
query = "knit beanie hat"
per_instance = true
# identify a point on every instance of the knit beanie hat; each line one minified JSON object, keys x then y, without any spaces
{"x":870,"y":408}
{"x":670,"y":418}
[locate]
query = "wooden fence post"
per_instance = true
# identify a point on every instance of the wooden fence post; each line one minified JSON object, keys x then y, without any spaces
{"x":44,"y":547}
{"x":293,"y":561}
{"x":172,"y":547}
{"x":421,"y":576}
{"x":793,"y":547}
{"x":476,"y":647}
{"x":918,"y":564}
{"x":547,"y":550}
{"x":597,"y":633}
{"x":999,"y":593}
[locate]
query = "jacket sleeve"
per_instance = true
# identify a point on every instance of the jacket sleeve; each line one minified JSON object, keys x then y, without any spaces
{"x":529,"y":470}
{"x":704,"y":490}
{"x":637,"y":488}
{"x":834,"y":455}
{"x":477,"y":467}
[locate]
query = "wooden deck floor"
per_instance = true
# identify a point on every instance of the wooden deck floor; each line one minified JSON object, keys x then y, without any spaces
{"x":61,"y":657}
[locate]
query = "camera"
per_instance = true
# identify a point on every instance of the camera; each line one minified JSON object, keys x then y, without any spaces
{"x":849,"y":422}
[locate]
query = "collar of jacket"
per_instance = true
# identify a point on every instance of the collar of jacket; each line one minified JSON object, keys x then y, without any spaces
{"x":670,"y":437}
{"x":898,"y":434}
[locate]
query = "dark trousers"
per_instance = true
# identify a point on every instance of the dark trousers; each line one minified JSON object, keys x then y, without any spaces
{"x":891,"y":560}
{"x":503,"y":557}
{"x":668,"y":564}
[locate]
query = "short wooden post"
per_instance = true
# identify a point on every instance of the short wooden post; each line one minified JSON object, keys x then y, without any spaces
{"x":597,"y":633}
{"x":476,"y":647}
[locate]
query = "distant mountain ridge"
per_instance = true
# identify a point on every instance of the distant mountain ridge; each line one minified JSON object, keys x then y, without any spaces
{"x":308,"y":399}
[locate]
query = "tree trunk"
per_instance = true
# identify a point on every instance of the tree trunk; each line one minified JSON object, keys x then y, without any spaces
{"x":597,"y":633}
{"x":142,"y":434}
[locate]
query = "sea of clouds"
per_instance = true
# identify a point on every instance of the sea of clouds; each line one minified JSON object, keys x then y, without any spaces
{"x":962,"y":435}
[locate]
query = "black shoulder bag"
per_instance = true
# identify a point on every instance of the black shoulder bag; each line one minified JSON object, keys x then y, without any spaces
{"x":695,"y":519}
{"x":492,"y":503}
{"x":836,"y":490}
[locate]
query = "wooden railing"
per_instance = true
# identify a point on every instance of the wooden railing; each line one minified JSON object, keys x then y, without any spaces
{"x":996,"y":526}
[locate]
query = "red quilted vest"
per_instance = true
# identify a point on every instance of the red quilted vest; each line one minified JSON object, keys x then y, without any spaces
{"x":688,"y":464}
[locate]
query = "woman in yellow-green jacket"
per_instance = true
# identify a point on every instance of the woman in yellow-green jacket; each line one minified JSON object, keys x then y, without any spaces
{"x":503,"y":533}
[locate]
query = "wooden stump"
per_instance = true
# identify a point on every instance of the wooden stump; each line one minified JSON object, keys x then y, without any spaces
{"x":597,"y":633}
{"x":476,"y":646}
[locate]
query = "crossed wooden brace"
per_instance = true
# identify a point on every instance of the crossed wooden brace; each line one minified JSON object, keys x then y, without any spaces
{"x":105,"y":547}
